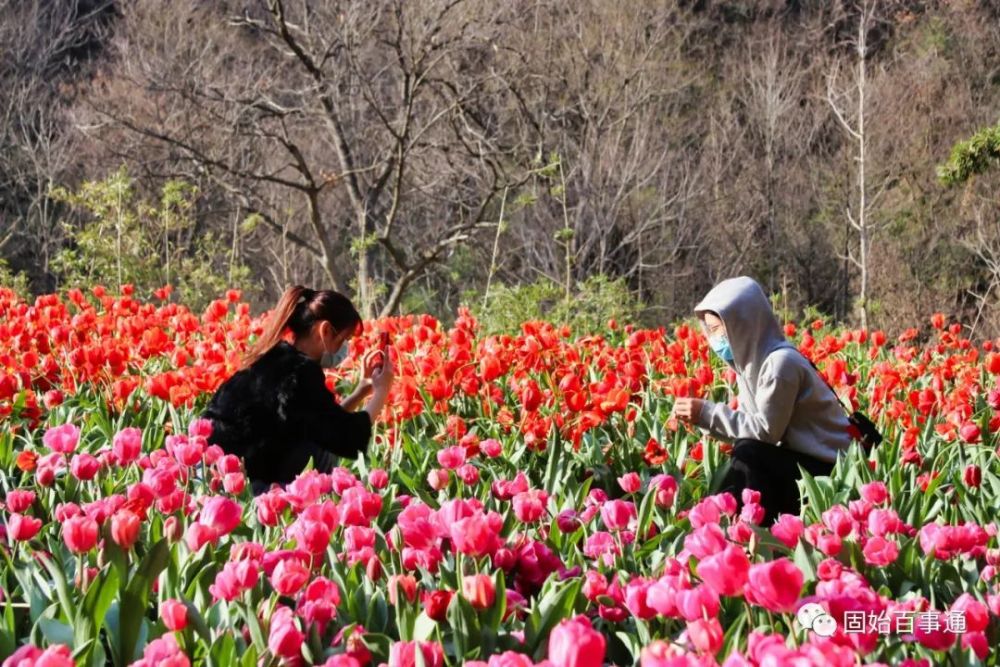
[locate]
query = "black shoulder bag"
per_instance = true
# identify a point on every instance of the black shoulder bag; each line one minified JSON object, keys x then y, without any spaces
{"x":865,"y":431}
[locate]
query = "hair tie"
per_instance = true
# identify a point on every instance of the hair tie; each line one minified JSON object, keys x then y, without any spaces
{"x":306,"y":295}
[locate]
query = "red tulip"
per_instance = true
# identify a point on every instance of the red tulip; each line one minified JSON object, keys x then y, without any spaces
{"x":52,"y":399}
{"x":436,"y":604}
{"x":972,"y":476}
{"x":931,"y":630}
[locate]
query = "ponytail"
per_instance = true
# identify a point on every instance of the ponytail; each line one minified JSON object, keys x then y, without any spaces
{"x":298,"y":309}
{"x":277,"y":322}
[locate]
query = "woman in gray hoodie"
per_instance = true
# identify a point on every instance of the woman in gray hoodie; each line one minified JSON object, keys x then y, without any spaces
{"x":787,"y":415}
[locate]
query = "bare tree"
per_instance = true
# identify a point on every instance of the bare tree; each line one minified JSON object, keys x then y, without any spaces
{"x":357,"y":115}
{"x":41,"y":47}
{"x":859,"y":216}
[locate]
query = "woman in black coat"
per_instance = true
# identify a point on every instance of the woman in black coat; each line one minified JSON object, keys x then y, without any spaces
{"x":277,"y":413}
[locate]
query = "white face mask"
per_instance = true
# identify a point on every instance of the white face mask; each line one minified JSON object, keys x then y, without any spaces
{"x":334,"y":359}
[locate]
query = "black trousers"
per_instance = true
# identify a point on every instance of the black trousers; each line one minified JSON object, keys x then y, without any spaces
{"x":773,"y":471}
{"x":293,"y":463}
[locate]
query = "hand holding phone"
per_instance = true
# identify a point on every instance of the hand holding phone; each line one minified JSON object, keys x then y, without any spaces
{"x":383,"y":350}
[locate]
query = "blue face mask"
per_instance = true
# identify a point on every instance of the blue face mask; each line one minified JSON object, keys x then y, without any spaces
{"x":720,"y":345}
{"x":334,"y":359}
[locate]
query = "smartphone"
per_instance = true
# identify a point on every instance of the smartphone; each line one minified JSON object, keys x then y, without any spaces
{"x":383,"y":349}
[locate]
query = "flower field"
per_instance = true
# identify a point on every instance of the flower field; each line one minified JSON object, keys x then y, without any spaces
{"x":526,"y":500}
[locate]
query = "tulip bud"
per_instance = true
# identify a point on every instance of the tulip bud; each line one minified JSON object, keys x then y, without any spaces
{"x":436,"y":604}
{"x":125,"y":528}
{"x":174,"y":615}
{"x":438,"y":479}
{"x":172,"y":529}
{"x":479,"y":590}
{"x":972,"y":476}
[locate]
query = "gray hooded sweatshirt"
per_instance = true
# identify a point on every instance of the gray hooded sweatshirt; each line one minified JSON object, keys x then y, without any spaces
{"x":782,"y":399}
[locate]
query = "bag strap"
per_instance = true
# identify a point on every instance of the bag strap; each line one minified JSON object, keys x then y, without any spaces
{"x":833,"y":391}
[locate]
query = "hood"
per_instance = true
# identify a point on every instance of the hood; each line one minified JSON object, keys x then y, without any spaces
{"x":751,"y":326}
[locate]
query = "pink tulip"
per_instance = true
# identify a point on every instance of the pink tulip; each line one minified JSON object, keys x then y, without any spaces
{"x":491,"y":447}
{"x":875,"y":492}
{"x":198,"y":535}
{"x":22,"y":527}
{"x":575,"y":643}
{"x":880,"y":552}
{"x":977,"y":615}
{"x":163,"y":652}
{"x":616,"y":514}
{"x":222,"y":514}
{"x":342,"y":660}
{"x":666,"y":489}
{"x":725,"y":572}
{"x":20,"y":499}
{"x":125,"y":527}
{"x":403,"y":654}
{"x":479,"y":590}
{"x":80,"y":534}
{"x":438,"y":479}
{"x":969,"y":432}
{"x":529,"y":506}
{"x":289,"y":577}
{"x":378,"y":478}
{"x":451,"y":457}
{"x":630,"y":482}
{"x":705,"y":540}
{"x":84,"y":467}
{"x":127,"y":445}
{"x":698,"y":602}
{"x":934,"y":634}
{"x":706,"y":635}
{"x":775,"y":585}
{"x":475,"y":535}
{"x":200,"y":428}
{"x":468,"y":473}
{"x":62,"y":439}
{"x":284,"y":639}
{"x":174,"y":615}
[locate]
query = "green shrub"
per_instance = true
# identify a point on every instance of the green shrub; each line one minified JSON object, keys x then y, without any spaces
{"x":121,"y":239}
{"x":588,"y":308}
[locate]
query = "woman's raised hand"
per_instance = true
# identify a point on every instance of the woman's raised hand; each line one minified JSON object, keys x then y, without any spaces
{"x":369,"y":363}
{"x":687,"y":409}
{"x":382,"y":380}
